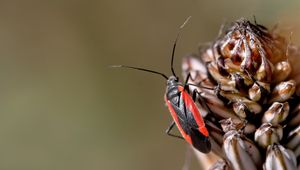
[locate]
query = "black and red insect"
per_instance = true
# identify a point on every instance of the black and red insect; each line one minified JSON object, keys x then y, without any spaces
{"x":183,"y":109}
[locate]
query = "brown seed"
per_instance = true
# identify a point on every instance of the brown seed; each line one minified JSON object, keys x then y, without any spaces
{"x":265,"y":70}
{"x":282,"y":71}
{"x":240,"y":151}
{"x":258,"y":91}
{"x":283,"y":91}
{"x":267,"y":134}
{"x":240,"y":109}
{"x":255,"y":92}
{"x":279,"y":158}
{"x":276,"y":113}
{"x":232,"y":124}
{"x":242,"y":103}
{"x":217,"y":106}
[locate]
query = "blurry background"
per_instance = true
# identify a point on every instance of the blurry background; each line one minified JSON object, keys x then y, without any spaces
{"x":61,"y":107}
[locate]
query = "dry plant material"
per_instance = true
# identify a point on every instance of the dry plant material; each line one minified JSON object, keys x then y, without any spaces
{"x":249,"y":82}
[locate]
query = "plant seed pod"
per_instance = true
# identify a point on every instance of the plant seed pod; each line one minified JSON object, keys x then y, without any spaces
{"x":255,"y":92}
{"x":232,"y":68}
{"x":241,"y":153}
{"x":193,"y":66}
{"x":237,"y":124}
{"x":258,"y":91}
{"x":264,"y":73}
{"x":267,"y":134}
{"x":276,"y":113}
{"x":241,"y":109}
{"x":253,"y":151}
{"x":217,"y":106}
{"x":251,"y":106}
{"x":220,"y":165}
{"x":239,"y":82}
{"x":265,"y":86}
{"x":214,"y":72}
{"x":248,"y":45}
{"x":279,"y":158}
{"x":283,"y":91}
{"x":207,"y":54}
{"x":282,"y":71}
{"x":232,"y":124}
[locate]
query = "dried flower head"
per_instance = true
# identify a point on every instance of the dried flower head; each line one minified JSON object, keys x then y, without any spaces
{"x":249,"y":88}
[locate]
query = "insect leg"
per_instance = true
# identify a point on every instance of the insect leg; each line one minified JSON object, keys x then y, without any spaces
{"x":187,"y":79}
{"x":201,"y":99}
{"x":168,"y":131}
{"x":186,"y":84}
{"x":194,"y":94}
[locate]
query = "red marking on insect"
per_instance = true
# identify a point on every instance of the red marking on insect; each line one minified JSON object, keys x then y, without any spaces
{"x":194,"y":109}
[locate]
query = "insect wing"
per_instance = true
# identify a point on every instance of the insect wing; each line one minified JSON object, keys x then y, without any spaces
{"x":189,"y":121}
{"x":198,"y":133}
{"x":179,"y":119}
{"x":199,"y":141}
{"x":192,"y":108}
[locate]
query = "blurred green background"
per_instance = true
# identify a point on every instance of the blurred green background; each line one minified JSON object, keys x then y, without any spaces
{"x":61,"y":108}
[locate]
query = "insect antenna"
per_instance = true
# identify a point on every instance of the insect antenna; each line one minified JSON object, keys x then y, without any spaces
{"x":174,"y":45}
{"x":141,"y":69}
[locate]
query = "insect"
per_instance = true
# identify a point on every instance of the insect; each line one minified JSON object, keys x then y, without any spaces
{"x":182,"y":107}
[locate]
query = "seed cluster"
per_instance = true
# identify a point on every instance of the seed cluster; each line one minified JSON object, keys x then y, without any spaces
{"x":249,"y":98}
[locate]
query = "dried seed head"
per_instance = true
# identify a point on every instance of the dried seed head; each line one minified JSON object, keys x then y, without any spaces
{"x":255,"y":76}
{"x":251,"y":47}
{"x":267,"y":134}
{"x":276,"y":113}
{"x":279,"y":158}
